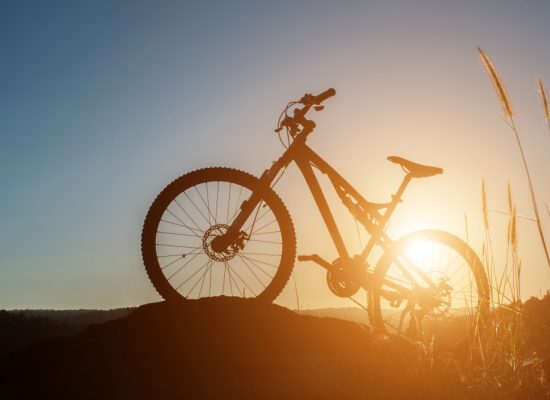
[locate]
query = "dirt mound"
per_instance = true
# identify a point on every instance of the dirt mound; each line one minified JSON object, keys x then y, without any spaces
{"x":221,"y":348}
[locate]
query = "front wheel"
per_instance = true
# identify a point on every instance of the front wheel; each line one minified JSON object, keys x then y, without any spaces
{"x":194,"y":210}
{"x":424,"y":280}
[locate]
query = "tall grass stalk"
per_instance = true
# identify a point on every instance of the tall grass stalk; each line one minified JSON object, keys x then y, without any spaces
{"x":296,"y":292}
{"x":509,"y":113}
{"x":488,"y":254}
{"x":544,"y":100}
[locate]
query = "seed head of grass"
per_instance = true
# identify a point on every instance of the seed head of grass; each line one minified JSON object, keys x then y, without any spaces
{"x":497,"y":82}
{"x":544,"y":99}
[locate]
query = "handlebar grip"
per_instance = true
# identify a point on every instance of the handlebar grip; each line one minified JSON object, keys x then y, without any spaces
{"x":325,"y":95}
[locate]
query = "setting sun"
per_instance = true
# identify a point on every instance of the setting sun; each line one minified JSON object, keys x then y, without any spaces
{"x":420,"y":251}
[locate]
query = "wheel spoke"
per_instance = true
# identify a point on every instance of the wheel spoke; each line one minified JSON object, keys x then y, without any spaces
{"x":177,"y":234}
{"x":192,"y":230}
{"x":205,"y":203}
{"x":228,"y":203}
{"x":196,"y":207}
{"x":256,"y":260}
{"x":217,"y":195}
{"x":244,"y":258}
{"x":230,"y":278}
{"x":201,"y":279}
{"x":183,"y":266}
{"x":177,"y":245}
{"x":250,"y":269}
{"x":237,"y":208}
{"x":266,"y":233}
{"x":256,"y":219}
{"x":187,"y":214}
{"x":264,"y":241}
{"x":191,"y":276}
{"x":182,"y":257}
{"x":241,"y":279}
{"x":261,"y":254}
{"x":264,"y":226}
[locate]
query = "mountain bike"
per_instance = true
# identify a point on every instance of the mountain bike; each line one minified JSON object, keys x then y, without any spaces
{"x":220,"y":231}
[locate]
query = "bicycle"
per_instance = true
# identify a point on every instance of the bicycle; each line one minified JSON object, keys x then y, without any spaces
{"x":220,"y":231}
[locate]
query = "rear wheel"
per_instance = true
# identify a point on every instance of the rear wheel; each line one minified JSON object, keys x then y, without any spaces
{"x":426,"y":280}
{"x":194,"y":210}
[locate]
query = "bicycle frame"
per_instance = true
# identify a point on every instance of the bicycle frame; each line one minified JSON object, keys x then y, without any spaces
{"x":368,"y":213}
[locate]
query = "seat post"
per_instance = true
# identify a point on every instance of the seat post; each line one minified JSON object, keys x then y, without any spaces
{"x":403,"y":186}
{"x":396,"y":198}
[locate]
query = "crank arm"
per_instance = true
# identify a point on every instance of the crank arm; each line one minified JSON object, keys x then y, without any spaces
{"x":316,"y":259}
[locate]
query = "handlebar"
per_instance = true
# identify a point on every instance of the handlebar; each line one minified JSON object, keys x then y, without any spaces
{"x":311,"y":100}
{"x":298,"y":123}
{"x":325,"y":95}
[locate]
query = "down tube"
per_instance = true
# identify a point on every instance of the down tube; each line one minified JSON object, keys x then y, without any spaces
{"x":311,"y":180}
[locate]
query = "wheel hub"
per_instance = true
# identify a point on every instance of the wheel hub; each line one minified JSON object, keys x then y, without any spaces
{"x":216,"y":231}
{"x":436,"y":301}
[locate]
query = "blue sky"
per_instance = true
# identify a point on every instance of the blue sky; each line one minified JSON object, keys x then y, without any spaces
{"x":103,"y":103}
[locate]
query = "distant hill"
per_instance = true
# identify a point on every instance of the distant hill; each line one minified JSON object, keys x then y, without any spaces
{"x":23,"y":327}
{"x":82,"y":317}
{"x":222,"y":348}
{"x":354,"y":314}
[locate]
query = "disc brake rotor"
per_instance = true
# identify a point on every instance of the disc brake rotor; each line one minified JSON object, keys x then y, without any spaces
{"x":213,"y":232}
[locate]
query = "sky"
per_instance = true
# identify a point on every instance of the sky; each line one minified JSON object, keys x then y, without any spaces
{"x":104,"y":103}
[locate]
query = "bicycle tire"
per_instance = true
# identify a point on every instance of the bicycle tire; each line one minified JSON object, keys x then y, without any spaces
{"x":167,"y":205}
{"x":454,"y":299}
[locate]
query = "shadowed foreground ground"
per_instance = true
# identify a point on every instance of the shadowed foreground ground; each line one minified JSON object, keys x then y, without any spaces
{"x":221,"y":348}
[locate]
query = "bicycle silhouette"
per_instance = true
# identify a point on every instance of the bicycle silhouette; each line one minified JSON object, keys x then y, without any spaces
{"x":220,"y":231}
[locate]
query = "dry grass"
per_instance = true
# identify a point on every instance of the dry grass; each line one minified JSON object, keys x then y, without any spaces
{"x":497,"y":82}
{"x":544,"y":100}
{"x":508,"y":112}
{"x":499,"y":361}
{"x":502,"y":365}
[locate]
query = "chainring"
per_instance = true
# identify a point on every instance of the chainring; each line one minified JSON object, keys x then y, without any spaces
{"x":344,"y":278}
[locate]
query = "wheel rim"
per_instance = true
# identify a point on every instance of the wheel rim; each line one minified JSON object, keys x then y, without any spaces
{"x":445,"y":286}
{"x":185,"y":228}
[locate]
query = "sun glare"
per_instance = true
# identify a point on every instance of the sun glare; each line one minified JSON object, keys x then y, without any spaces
{"x":420,"y":251}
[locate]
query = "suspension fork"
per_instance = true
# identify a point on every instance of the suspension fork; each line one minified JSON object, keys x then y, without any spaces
{"x":221,"y":243}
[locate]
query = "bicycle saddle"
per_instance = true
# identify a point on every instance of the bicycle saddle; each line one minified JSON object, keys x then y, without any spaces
{"x":416,"y":170}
